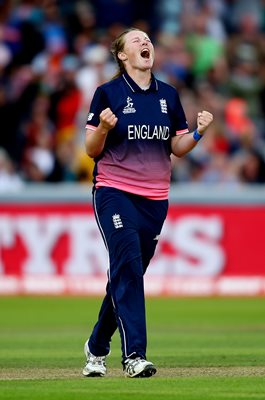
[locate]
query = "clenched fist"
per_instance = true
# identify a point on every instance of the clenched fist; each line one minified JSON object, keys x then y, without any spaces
{"x":108,"y":120}
{"x":204,"y":119}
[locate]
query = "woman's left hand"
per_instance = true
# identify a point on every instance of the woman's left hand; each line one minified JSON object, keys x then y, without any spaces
{"x":204,"y":119}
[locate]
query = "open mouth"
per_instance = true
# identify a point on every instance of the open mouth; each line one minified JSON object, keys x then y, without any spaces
{"x":145,"y":53}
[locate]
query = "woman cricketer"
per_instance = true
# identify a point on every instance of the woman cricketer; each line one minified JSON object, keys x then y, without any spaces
{"x":134,"y":124}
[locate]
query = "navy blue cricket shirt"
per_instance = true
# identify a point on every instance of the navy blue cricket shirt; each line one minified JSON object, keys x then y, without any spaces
{"x":136,"y":156}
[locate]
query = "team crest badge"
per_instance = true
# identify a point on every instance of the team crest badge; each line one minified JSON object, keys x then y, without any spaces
{"x":163,"y":105}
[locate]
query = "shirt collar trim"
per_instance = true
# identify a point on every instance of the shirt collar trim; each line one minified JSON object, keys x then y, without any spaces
{"x":135,"y":88}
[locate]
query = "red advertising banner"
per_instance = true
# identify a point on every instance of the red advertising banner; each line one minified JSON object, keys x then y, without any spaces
{"x":203,"y":250}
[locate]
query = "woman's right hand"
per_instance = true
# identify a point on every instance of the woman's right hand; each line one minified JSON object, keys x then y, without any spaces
{"x":108,"y":120}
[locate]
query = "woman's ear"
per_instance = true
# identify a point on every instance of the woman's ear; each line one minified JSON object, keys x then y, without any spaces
{"x":122,"y":56}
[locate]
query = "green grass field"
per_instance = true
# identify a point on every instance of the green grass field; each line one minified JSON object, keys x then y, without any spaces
{"x":206,"y":348}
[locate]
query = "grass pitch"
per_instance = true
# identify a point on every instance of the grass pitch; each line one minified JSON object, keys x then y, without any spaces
{"x":204,"y":348}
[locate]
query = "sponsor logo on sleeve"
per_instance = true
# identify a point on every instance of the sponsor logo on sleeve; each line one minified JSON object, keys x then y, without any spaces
{"x":90,"y":116}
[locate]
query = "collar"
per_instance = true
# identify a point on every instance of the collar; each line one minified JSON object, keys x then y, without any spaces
{"x":135,"y":88}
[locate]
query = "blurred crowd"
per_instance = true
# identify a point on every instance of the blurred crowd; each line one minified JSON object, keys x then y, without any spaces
{"x":54,"y":54}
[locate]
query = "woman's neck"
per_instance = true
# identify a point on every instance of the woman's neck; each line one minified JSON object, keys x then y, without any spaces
{"x":142,"y":78}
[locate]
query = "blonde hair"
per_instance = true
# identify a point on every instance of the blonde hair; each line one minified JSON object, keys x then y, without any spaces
{"x":117,"y":46}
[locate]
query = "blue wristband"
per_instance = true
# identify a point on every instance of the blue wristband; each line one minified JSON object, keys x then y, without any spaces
{"x":196,"y":135}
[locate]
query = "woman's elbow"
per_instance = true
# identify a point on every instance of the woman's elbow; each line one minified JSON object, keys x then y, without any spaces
{"x":92,"y":152}
{"x":179,"y":153}
{"x":89,"y":152}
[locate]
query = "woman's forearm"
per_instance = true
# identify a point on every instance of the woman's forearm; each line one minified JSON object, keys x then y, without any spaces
{"x":96,"y":138}
{"x":95,"y":141}
{"x":181,"y":145}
